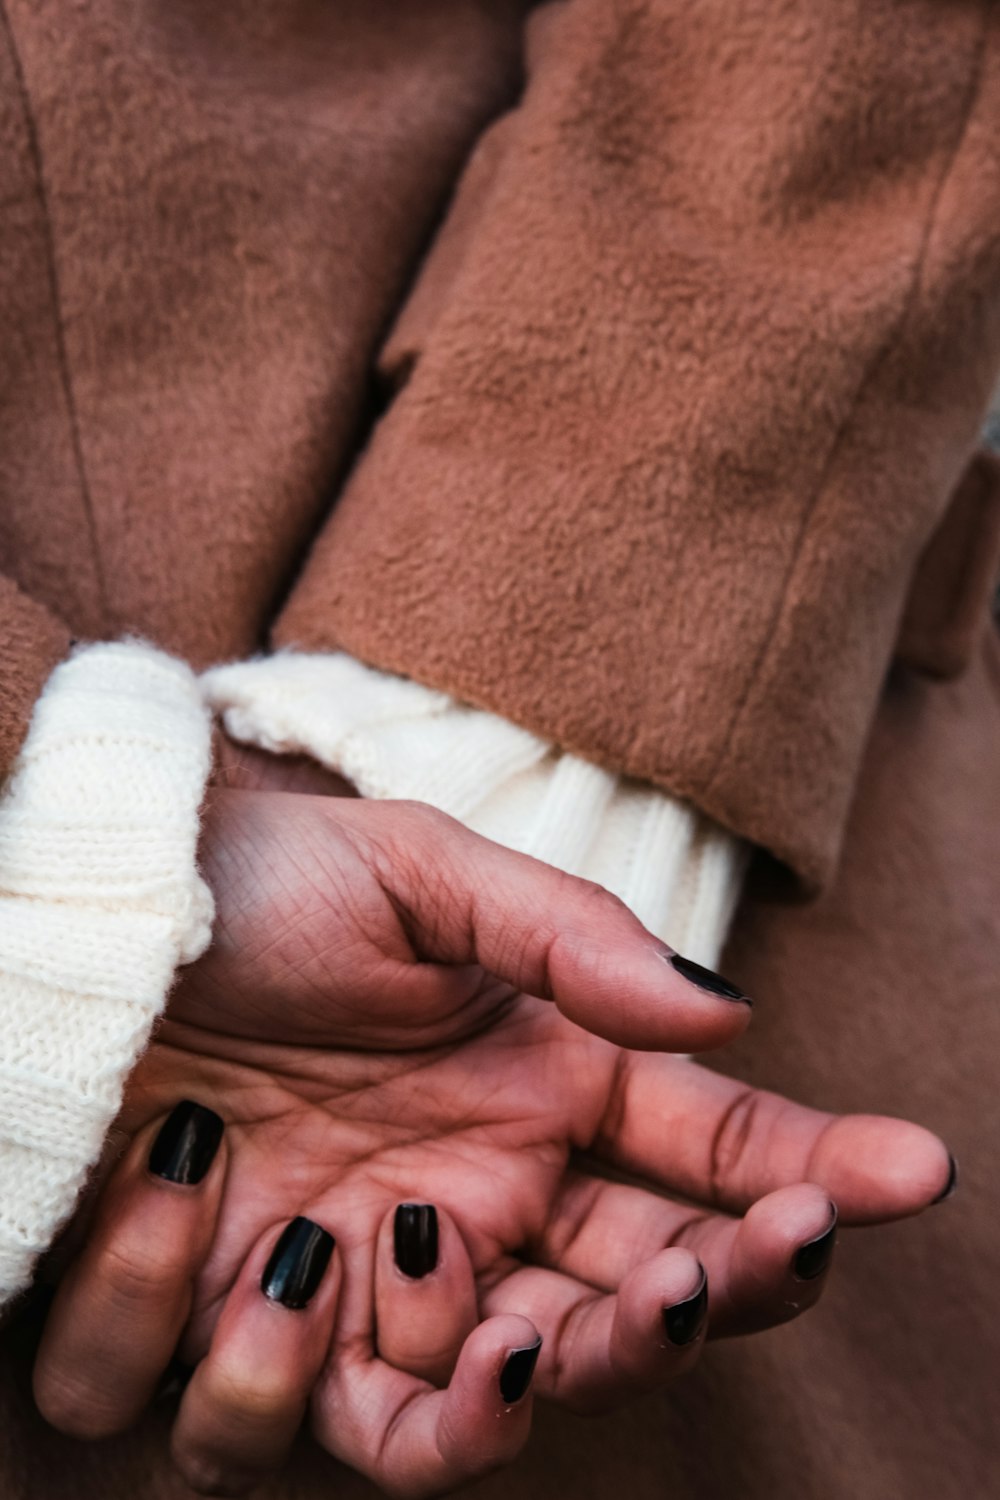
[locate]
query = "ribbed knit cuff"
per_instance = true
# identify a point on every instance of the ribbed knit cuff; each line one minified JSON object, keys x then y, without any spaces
{"x":99,"y":901}
{"x":677,"y":870}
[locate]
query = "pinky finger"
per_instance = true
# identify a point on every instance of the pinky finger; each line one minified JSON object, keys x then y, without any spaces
{"x":414,"y":1441}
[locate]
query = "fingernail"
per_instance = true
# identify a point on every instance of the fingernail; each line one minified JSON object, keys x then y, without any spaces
{"x":297,"y":1263}
{"x":812,"y":1258}
{"x":186,"y":1145}
{"x":684,"y":1320}
{"x":415,"y":1239}
{"x":706,"y":979}
{"x":519,"y":1366}
{"x":950,"y":1185}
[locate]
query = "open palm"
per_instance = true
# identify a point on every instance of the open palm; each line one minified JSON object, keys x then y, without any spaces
{"x":367,"y":1023}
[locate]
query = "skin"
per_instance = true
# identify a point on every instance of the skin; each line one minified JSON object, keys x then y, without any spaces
{"x":375,"y":1023}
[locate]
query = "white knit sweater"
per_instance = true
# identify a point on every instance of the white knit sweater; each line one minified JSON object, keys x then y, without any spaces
{"x":100,"y":898}
{"x":99,"y":902}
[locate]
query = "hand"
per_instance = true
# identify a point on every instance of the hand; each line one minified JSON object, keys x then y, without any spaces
{"x":364,"y":1023}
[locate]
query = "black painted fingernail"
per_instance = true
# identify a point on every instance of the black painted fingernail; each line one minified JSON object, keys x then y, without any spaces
{"x":186,"y":1145}
{"x":684,"y":1320}
{"x":297,"y":1263}
{"x":518,"y":1368}
{"x":950,"y":1185}
{"x":812,"y":1259}
{"x":706,"y":979}
{"x":415,"y":1239}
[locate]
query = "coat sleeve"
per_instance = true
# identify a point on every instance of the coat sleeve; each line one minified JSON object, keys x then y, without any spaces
{"x":682,"y":393}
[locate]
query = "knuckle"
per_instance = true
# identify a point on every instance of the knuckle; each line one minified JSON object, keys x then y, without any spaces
{"x":419,"y":818}
{"x":136,"y":1277}
{"x":73,"y":1406}
{"x":432,"y":1362}
{"x":595,"y":900}
{"x":252,"y":1399}
{"x":730,"y":1142}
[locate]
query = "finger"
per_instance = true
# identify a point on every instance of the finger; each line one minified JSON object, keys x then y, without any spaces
{"x":729,"y":1144}
{"x":119,"y":1311}
{"x":601,"y":1232}
{"x":600,"y":1349}
{"x":468,"y":900}
{"x":415,"y":1441}
{"x":770,"y":1266}
{"x":425,"y":1293}
{"x":247,"y":1397}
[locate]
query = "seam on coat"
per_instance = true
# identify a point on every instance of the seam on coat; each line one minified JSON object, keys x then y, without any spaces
{"x":872,"y":370}
{"x":55,"y":293}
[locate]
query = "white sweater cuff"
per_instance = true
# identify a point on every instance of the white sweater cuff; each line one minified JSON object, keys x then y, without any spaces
{"x":99,"y":901}
{"x":677,"y":870}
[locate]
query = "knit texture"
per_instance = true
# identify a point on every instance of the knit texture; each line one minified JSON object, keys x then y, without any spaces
{"x":677,"y":870}
{"x":99,"y":901}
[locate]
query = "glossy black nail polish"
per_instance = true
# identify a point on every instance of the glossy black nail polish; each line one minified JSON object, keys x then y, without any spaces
{"x":684,"y":1320}
{"x":812,"y":1258}
{"x":950,"y":1185}
{"x":297,"y":1264}
{"x":519,"y":1366}
{"x":186,"y":1145}
{"x":706,"y":979}
{"x":415,"y":1239}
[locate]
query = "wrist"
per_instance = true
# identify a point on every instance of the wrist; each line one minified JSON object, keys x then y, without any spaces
{"x":246,"y":768}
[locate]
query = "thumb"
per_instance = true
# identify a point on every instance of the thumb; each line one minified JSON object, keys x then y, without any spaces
{"x":467,"y":900}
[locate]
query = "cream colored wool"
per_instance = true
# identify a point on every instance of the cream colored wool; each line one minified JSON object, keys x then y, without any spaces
{"x":677,"y":870}
{"x":99,"y":901}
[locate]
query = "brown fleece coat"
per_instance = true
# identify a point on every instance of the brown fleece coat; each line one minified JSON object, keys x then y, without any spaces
{"x":682,"y":359}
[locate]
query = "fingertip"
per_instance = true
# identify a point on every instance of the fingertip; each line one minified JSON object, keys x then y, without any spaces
{"x":501,"y":1356}
{"x":485,"y":1418}
{"x":661,"y":1315}
{"x":667,"y":1278}
{"x":517,"y":1371}
{"x":775,"y":1263}
{"x":789,"y":1216}
{"x":685,"y":1319}
{"x":950,"y":1184}
{"x":879,"y":1168}
{"x":186,"y":1144}
{"x":707,"y":980}
{"x":635,"y":996}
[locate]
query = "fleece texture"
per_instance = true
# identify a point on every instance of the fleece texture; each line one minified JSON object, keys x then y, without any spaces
{"x":99,"y":902}
{"x":677,"y":391}
{"x":210,"y":215}
{"x":675,"y":869}
{"x":688,"y":384}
